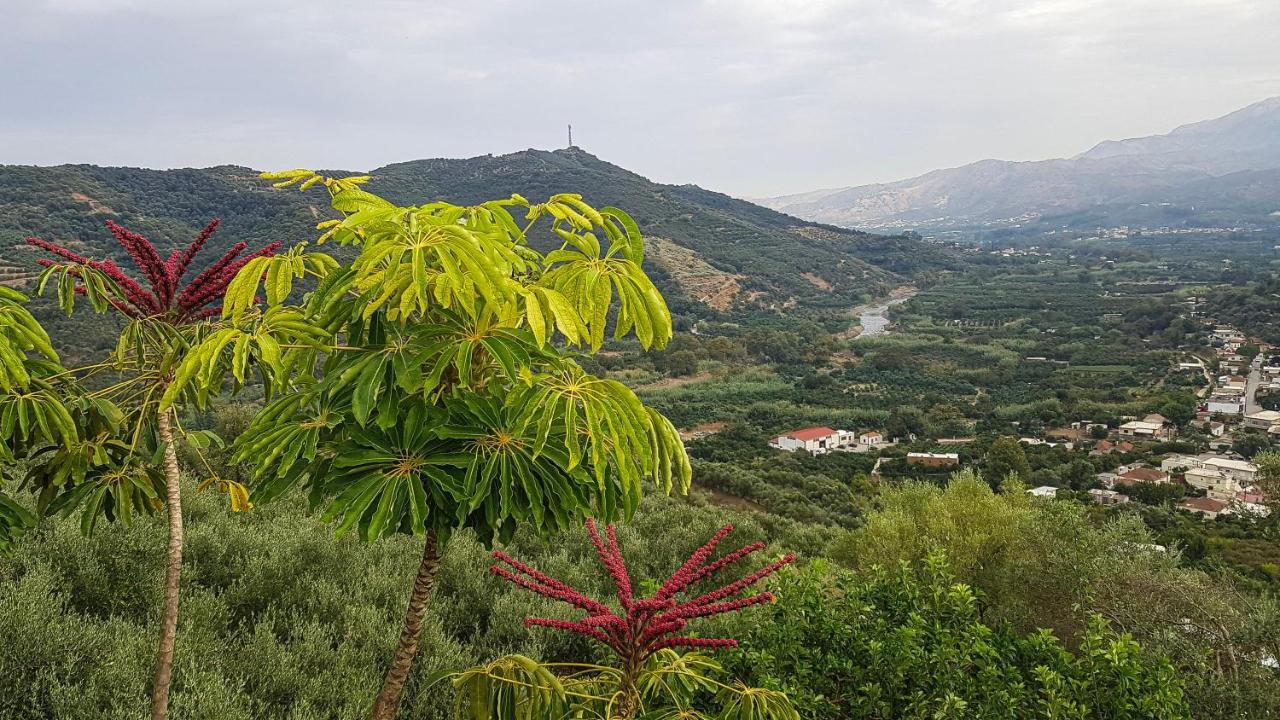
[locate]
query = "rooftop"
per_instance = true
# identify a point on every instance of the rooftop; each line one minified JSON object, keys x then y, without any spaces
{"x":1203,"y":503}
{"x":812,"y":433}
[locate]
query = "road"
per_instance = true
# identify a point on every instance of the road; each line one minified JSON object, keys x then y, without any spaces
{"x":1251,"y":405}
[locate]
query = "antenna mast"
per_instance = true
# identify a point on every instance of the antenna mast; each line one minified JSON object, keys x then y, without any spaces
{"x":571,"y":136}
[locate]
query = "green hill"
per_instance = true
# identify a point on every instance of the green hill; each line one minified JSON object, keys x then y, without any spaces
{"x":712,"y":255}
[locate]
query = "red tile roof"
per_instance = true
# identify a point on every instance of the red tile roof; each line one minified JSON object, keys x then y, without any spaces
{"x":812,"y":433}
{"x":1145,"y":475}
{"x":1204,"y":503}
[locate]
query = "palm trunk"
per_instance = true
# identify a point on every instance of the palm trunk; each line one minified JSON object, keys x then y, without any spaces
{"x":388,"y":700}
{"x":173,"y":572}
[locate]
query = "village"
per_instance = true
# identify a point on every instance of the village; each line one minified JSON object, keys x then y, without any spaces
{"x":1220,"y":481}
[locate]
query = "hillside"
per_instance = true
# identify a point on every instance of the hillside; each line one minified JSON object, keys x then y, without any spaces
{"x":718,"y":255}
{"x":1215,"y":173}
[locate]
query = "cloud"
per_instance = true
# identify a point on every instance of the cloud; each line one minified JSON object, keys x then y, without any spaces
{"x":752,"y":97}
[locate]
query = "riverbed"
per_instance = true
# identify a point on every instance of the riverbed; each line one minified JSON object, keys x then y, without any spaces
{"x":873,"y":319}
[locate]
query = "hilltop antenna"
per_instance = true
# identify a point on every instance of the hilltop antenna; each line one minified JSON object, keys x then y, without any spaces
{"x":571,"y":136}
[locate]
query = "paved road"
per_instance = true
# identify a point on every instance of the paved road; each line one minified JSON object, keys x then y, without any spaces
{"x":1251,"y":387}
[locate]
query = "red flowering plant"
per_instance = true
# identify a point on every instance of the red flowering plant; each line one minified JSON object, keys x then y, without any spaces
{"x":162,"y":299}
{"x":644,"y":634}
{"x":93,"y":453}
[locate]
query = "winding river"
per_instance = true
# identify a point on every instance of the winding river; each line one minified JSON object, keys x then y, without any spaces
{"x":874,"y":319}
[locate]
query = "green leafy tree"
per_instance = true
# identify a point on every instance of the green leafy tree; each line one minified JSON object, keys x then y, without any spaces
{"x":1268,"y":463}
{"x":30,"y":415}
{"x":910,"y":642}
{"x":1006,"y":457}
{"x":110,"y":453}
{"x":440,"y":390}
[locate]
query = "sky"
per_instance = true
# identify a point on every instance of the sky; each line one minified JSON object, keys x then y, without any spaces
{"x":750,"y":97}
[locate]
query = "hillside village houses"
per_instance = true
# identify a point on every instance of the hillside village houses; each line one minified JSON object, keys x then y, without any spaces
{"x":821,"y":440}
{"x":933,"y":459}
{"x":1108,"y":497}
{"x":816,"y":440}
{"x":1151,"y":427}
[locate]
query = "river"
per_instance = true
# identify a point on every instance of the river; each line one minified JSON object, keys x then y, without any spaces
{"x":874,"y":319}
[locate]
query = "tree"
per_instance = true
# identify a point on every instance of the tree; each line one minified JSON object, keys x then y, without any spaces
{"x":432,"y":396}
{"x":1048,"y":565}
{"x":30,"y":415}
{"x":909,"y":640}
{"x":107,"y":469}
{"x":1006,"y":457}
{"x":1249,"y":444}
{"x":645,"y":627}
{"x":1268,"y":463}
{"x":681,"y":363}
{"x":904,"y":421}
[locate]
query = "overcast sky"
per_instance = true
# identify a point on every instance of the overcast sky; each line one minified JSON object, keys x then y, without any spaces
{"x":751,"y":97}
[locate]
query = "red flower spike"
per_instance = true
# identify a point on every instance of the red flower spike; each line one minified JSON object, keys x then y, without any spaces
{"x":161,"y":298}
{"x":647,"y":625}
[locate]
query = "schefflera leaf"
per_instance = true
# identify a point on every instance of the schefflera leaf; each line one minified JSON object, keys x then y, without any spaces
{"x":430,"y":383}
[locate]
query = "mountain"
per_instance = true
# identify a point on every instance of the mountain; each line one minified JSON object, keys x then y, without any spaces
{"x":1216,"y":173}
{"x":710,"y":253}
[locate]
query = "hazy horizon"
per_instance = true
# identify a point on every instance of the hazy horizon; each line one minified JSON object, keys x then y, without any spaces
{"x":750,"y":97}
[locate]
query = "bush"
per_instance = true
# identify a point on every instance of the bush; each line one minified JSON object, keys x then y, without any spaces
{"x":910,"y":643}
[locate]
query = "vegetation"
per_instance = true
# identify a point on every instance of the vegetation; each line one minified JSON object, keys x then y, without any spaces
{"x":104,"y":442}
{"x":440,"y":379}
{"x":649,"y":678}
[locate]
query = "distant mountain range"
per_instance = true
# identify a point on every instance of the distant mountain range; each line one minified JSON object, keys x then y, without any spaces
{"x":1223,"y":172}
{"x":710,"y":253}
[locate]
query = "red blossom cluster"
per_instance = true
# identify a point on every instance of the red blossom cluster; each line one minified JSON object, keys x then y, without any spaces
{"x":651,"y":624}
{"x":162,"y":297}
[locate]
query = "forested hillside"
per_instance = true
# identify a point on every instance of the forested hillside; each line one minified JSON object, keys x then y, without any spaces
{"x":745,"y":258}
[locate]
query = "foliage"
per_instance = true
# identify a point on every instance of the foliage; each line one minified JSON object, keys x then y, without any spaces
{"x":163,"y":297}
{"x":1006,"y":458}
{"x":910,"y":641}
{"x":670,"y":686}
{"x":651,"y":680}
{"x":1045,"y":564}
{"x":651,"y":624}
{"x":418,"y":389}
{"x":280,"y":621}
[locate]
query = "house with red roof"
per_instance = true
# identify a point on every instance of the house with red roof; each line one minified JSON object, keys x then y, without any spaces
{"x":1205,"y":506}
{"x":1142,"y":475}
{"x":817,"y":440}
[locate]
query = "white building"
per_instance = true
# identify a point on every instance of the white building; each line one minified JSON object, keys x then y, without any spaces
{"x":1108,"y":497}
{"x":1263,"y":419}
{"x":817,"y":440}
{"x":1216,"y":484}
{"x":1243,"y":471}
{"x":1145,"y":430}
{"x":871,"y":437}
{"x":1225,"y":404}
{"x":1044,"y":491}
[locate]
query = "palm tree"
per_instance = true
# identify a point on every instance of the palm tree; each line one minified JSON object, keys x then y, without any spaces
{"x":445,"y":394}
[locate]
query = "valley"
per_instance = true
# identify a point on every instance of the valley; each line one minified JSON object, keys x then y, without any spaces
{"x":994,"y":383}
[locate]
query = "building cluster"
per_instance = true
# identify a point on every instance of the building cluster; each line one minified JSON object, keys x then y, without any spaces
{"x":1229,"y":484}
{"x":822,"y":440}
